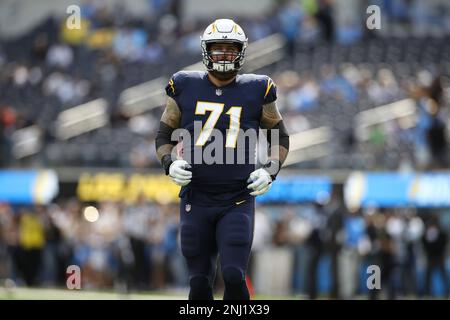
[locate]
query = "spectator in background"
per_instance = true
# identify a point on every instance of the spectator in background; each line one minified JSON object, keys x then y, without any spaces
{"x":175,"y":266}
{"x":392,"y":236}
{"x":49,"y":271}
{"x":161,"y":224}
{"x":337,"y":212}
{"x":384,"y":89}
{"x":324,"y":16}
{"x":2,"y":57}
{"x":412,"y":237}
{"x":98,"y":239}
{"x":137,"y":223}
{"x":393,"y":251}
{"x":261,"y":238}
{"x":435,"y":244}
{"x":62,"y":222}
{"x":40,"y":48}
{"x":387,"y":263}
{"x":374,"y":230}
{"x":355,"y":245}
{"x":152,"y":52}
{"x":257,"y":28}
{"x":129,"y":44}
{"x":3,"y":148}
{"x":60,"y":56}
{"x":316,"y":242}
{"x":437,"y":132}
{"x":430,"y":139}
{"x":437,"y":143}
{"x":280,"y":236}
{"x":31,"y":244}
{"x":305,"y":96}
{"x":290,"y":17}
{"x":335,"y":85}
{"x":8,"y":243}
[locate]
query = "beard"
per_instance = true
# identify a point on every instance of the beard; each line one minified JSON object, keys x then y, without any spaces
{"x":224,"y":76}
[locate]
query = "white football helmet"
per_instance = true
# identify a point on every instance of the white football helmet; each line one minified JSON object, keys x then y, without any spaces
{"x":223,"y":31}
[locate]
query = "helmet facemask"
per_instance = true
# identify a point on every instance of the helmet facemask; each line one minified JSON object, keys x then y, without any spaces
{"x":223,"y":63}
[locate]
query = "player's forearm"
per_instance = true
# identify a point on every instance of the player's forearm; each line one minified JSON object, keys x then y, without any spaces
{"x":277,"y":137}
{"x":164,"y":146}
{"x":163,"y":150}
{"x":163,"y":141}
{"x":278,"y":153}
{"x":170,"y":120}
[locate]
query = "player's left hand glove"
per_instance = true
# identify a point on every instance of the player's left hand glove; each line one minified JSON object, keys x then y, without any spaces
{"x":261,"y":182}
{"x":179,"y":173}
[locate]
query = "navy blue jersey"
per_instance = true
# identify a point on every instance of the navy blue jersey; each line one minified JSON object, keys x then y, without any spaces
{"x":232,"y":110}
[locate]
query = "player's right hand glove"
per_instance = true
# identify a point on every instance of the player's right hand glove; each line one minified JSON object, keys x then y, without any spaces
{"x":261,"y":182}
{"x":179,"y":174}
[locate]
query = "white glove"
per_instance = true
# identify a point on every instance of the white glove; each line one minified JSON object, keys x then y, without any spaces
{"x":178,"y":173}
{"x":261,"y":182}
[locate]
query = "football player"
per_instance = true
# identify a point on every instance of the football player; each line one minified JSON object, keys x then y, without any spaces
{"x":218,"y":199}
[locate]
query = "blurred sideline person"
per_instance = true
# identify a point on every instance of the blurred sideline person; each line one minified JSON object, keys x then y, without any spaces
{"x":217,"y":199}
{"x":31,"y":244}
{"x":138,"y":224}
{"x":435,"y":244}
{"x":430,"y":133}
{"x":317,"y":244}
{"x":335,"y":224}
{"x":355,"y":245}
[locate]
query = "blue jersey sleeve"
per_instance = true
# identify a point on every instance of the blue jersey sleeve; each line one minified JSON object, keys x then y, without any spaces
{"x":270,"y":93}
{"x":174,"y":87}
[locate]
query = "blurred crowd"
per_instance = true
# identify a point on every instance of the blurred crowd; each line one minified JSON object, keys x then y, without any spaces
{"x":327,"y":76}
{"x":336,"y":93}
{"x":124,"y":247}
{"x":410,"y":247}
{"x":135,"y":247}
{"x":52,"y":68}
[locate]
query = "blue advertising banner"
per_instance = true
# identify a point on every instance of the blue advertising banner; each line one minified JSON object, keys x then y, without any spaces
{"x":387,"y":189}
{"x":297,"y":189}
{"x":28,"y":186}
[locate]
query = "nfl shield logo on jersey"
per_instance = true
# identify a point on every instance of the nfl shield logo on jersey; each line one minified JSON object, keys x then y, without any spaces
{"x":219,"y":92}
{"x":188,"y":207}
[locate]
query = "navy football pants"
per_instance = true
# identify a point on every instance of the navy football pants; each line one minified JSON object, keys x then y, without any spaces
{"x":207,"y":231}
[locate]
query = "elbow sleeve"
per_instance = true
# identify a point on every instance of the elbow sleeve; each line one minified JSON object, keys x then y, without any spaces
{"x":283,"y":136}
{"x":164,"y":135}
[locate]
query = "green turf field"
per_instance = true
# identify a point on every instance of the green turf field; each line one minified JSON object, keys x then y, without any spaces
{"x":19,"y":293}
{"x":65,"y":294}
